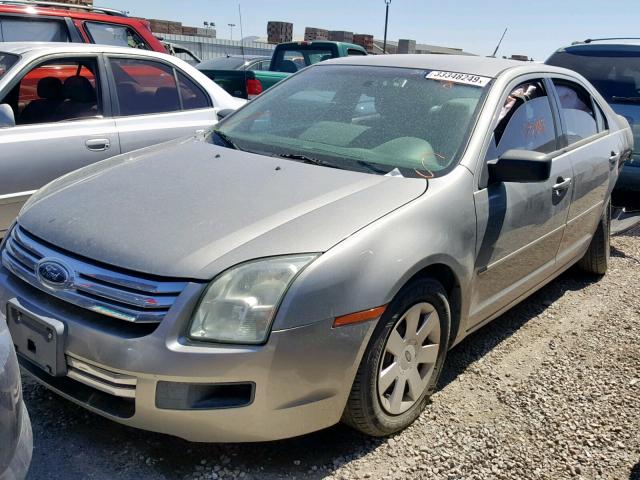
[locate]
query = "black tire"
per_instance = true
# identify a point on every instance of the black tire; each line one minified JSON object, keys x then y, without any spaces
{"x":596,"y":260}
{"x":364,"y":411}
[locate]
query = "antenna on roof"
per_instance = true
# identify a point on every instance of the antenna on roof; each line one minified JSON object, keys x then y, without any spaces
{"x":499,"y":43}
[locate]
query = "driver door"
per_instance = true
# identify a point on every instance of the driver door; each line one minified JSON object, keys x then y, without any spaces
{"x":520,"y":225}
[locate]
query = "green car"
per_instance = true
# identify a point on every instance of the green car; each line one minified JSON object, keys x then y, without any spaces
{"x":288,"y":58}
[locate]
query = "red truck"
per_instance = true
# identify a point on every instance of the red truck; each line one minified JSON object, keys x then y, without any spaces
{"x":29,"y":21}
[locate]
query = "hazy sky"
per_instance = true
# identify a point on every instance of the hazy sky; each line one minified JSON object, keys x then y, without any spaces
{"x":536,"y":28}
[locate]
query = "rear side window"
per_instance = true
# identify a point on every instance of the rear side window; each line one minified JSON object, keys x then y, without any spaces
{"x":192,"y":95}
{"x":576,"y":108}
{"x":352,"y":52}
{"x":14,"y":29}
{"x":613,"y":70}
{"x":147,"y":87}
{"x":117,"y":35}
{"x":525,"y":122}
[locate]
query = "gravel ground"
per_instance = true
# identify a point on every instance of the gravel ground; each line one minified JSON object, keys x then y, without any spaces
{"x":549,"y":390}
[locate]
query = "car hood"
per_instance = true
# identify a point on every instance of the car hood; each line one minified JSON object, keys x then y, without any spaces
{"x":189,"y":209}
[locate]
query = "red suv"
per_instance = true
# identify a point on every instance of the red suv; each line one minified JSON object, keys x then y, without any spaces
{"x":32,"y":21}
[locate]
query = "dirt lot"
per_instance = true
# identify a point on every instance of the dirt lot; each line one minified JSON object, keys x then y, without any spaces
{"x":549,"y":390}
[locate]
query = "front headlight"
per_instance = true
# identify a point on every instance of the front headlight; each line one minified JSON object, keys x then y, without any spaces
{"x":239,"y":305}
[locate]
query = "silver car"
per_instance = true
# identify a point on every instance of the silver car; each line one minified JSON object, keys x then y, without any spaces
{"x":16,"y":438}
{"x":64,"y":106}
{"x":311,"y":260}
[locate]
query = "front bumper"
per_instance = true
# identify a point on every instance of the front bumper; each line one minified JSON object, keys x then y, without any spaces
{"x":300,"y":378}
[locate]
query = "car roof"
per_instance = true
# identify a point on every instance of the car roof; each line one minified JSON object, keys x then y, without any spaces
{"x":483,"y":66}
{"x":80,"y":11}
{"x":43,"y":48}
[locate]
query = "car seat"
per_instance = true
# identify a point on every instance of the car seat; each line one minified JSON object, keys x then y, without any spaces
{"x":81,"y":99}
{"x":43,"y":110}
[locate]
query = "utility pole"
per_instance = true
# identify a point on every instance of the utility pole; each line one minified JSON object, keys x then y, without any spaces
{"x":231,"y":25}
{"x":386,"y":23}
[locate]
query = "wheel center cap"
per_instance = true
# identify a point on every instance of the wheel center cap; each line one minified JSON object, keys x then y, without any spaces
{"x":407,"y":358}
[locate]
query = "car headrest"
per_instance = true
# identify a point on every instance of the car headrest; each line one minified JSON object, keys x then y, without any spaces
{"x":79,"y":89}
{"x":288,"y":66}
{"x":50,"y":88}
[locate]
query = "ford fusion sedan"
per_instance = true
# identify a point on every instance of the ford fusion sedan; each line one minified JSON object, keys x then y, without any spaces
{"x":64,"y":106}
{"x":309,"y":260}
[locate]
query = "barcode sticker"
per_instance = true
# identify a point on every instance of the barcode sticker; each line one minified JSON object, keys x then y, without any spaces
{"x":464,"y":78}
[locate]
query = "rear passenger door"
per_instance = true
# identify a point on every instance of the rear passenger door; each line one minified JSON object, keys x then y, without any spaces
{"x":593,"y":156}
{"x":155,"y":102}
{"x":63,"y":122}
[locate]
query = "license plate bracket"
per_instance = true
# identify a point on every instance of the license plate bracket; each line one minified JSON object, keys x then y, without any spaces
{"x":39,"y":340}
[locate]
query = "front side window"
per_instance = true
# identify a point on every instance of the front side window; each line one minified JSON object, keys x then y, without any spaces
{"x":373,"y":119}
{"x":525,"y":122}
{"x":7,"y":61}
{"x":352,"y":52}
{"x":56,"y":91}
{"x":18,"y":29}
{"x":576,"y":108}
{"x":116,"y":35}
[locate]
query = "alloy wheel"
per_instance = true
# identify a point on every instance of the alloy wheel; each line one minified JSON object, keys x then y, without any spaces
{"x":409,"y":358}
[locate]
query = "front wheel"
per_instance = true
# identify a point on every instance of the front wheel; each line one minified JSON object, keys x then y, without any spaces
{"x":401,"y":366}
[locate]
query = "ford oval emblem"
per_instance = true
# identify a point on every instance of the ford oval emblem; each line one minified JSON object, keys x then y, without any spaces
{"x":53,"y":274}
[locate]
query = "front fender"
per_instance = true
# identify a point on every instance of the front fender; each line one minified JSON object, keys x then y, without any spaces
{"x":369,"y":268}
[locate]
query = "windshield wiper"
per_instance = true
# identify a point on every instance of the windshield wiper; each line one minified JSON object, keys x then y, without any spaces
{"x":372,"y":167}
{"x":305,"y":159}
{"x":626,"y":99}
{"x":227,"y":141}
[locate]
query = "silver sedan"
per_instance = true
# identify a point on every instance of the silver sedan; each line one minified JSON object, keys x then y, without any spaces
{"x":315,"y":257}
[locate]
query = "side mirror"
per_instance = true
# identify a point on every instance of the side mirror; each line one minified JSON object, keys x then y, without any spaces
{"x":7,"y":118}
{"x":225,"y":112}
{"x":521,"y":166}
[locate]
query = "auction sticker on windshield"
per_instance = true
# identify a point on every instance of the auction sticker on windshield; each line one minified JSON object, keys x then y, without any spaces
{"x":464,"y":78}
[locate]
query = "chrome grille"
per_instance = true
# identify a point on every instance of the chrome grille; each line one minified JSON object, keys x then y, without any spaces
{"x":101,"y":290}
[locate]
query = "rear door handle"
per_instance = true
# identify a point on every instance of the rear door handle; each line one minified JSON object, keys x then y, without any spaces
{"x":613,"y":159}
{"x":98,"y":144}
{"x":563,"y":184}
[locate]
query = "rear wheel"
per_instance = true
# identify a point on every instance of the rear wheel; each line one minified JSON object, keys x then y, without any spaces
{"x":596,"y":260}
{"x":402,"y":364}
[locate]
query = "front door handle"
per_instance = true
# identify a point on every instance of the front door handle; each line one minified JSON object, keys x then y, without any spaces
{"x":98,"y":144}
{"x":562,"y":185}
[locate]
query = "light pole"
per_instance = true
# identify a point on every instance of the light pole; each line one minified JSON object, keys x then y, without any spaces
{"x":386,"y":23}
{"x":231,"y":25}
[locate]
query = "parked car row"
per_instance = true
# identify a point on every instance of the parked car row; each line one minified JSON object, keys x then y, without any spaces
{"x":315,"y":254}
{"x":248,"y":77}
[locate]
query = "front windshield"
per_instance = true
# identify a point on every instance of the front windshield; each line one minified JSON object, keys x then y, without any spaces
{"x":373,"y":119}
{"x":7,"y":61}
